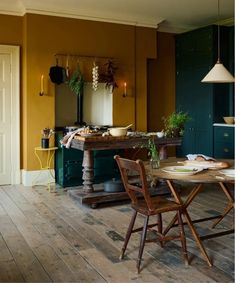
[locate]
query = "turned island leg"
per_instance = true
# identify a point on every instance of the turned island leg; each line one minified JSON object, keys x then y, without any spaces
{"x":163,"y":152}
{"x":88,"y":172}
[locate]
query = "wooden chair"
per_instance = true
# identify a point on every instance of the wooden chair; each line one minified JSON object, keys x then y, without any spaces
{"x":144,"y":204}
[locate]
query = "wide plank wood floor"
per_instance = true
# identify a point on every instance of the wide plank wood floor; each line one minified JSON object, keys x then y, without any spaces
{"x":48,"y":237}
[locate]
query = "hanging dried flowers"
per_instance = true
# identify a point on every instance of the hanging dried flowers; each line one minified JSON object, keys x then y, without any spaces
{"x":109,"y":76}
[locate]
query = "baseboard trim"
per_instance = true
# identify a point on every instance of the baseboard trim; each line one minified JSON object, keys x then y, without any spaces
{"x":37,"y":177}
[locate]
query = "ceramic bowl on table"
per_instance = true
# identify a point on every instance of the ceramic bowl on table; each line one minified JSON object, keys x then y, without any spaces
{"x":160,"y":134}
{"x":118,"y":132}
{"x":229,"y":120}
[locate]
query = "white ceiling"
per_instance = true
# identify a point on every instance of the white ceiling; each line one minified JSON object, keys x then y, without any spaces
{"x":167,"y":15}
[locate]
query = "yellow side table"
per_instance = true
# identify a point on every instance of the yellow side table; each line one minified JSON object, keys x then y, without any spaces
{"x":45,"y":164}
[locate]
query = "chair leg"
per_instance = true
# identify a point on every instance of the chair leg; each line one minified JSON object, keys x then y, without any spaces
{"x":142,"y":242}
{"x":182,"y":237}
{"x":159,"y":226}
{"x":128,"y":233}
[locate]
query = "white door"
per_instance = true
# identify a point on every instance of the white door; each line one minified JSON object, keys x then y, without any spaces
{"x":5,"y":119}
{"x":9,"y":116}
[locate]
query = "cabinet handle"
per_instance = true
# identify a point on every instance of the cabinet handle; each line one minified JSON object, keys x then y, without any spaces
{"x":226,"y":150}
{"x":226,"y":135}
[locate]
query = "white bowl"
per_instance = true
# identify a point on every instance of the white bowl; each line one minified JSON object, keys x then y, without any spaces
{"x":160,"y":134}
{"x":118,"y":132}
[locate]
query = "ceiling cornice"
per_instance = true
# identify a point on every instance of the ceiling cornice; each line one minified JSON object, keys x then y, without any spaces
{"x":173,"y":28}
{"x":172,"y":24}
{"x":110,"y":19}
{"x":226,"y":22}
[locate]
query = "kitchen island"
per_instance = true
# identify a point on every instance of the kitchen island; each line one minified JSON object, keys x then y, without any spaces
{"x":87,"y":195}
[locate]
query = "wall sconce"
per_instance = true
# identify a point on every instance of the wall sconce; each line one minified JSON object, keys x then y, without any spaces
{"x":41,"y":86}
{"x":125,"y":90}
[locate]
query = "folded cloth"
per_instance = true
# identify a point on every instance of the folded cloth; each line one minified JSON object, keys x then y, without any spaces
{"x":66,"y":140}
{"x":195,"y":156}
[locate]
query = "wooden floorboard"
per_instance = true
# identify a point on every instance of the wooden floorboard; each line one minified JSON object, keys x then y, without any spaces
{"x":49,"y":237}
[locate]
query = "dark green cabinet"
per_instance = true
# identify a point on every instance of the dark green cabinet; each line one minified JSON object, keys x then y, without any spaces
{"x":196,"y":53}
{"x":231,"y":69}
{"x":68,"y":165}
{"x":224,"y":142}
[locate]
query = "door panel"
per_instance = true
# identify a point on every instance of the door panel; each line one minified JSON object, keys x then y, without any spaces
{"x":5,"y":119}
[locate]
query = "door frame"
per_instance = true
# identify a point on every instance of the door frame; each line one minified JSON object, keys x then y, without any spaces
{"x":14,"y":52}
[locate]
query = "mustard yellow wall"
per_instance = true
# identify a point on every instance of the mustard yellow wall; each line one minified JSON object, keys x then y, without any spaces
{"x":40,"y":37}
{"x":161,"y":82}
{"x":46,"y":35}
{"x":11,"y":30}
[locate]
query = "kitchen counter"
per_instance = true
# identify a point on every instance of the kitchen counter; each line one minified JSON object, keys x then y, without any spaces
{"x":223,"y":125}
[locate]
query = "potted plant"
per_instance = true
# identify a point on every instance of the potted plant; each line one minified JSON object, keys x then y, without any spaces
{"x":46,"y":134}
{"x":152,"y":151}
{"x":174,"y":123}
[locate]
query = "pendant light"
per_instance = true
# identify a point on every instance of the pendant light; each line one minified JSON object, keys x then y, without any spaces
{"x":218,"y":74}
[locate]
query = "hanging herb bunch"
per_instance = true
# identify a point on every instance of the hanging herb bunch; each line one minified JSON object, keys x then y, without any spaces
{"x":76,"y":83}
{"x":109,"y":76}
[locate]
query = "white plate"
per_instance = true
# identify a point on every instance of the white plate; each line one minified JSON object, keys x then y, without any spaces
{"x":228,"y":172}
{"x":182,"y":170}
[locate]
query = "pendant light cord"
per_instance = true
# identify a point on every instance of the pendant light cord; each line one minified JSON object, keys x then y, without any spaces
{"x":218,"y":30}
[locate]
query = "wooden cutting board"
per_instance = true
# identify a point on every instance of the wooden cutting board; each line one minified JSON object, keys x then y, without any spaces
{"x":208,"y":164}
{"x":99,"y":138}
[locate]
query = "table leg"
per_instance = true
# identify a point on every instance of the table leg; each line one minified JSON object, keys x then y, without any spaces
{"x":189,"y":199}
{"x":230,"y":204}
{"x":48,"y":166}
{"x":88,"y":171}
{"x":196,"y":236}
{"x":178,"y":199}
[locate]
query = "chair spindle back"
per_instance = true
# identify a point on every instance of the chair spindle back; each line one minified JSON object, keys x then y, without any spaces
{"x":135,"y":190}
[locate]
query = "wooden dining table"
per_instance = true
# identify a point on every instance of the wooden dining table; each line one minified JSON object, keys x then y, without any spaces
{"x":196,"y":183}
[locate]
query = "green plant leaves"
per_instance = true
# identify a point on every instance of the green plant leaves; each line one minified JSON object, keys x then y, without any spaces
{"x":76,"y":82}
{"x":174,"y":123}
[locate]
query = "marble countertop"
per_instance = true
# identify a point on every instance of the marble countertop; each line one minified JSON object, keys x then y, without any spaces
{"x":223,"y":125}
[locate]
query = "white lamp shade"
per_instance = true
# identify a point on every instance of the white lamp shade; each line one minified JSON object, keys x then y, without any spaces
{"x":218,"y":74}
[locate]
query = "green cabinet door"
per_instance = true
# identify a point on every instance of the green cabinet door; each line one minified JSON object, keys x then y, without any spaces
{"x":196,"y":53}
{"x":224,"y":141}
{"x":68,"y":165}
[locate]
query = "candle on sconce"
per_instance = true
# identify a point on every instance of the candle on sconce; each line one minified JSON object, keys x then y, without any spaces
{"x":125,"y":89}
{"x":42,"y":85}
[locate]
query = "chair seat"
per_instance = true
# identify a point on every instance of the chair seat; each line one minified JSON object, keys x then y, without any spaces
{"x":159,"y":204}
